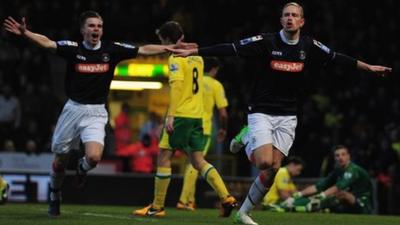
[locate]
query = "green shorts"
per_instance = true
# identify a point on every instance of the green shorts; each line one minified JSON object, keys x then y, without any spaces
{"x":187,"y":136}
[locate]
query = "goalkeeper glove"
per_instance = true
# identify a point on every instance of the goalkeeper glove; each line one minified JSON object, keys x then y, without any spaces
{"x":297,"y":194}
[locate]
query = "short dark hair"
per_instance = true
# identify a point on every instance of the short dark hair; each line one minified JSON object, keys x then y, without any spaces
{"x":337,"y":147}
{"x":296,"y":160}
{"x":211,"y":62}
{"x":171,"y":30}
{"x":88,"y":14}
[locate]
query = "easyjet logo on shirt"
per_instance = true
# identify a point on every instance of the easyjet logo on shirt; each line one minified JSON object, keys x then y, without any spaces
{"x":92,"y":68}
{"x":285,"y":66}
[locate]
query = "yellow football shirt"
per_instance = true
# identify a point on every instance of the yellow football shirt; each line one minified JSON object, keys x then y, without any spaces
{"x":190,"y":71}
{"x":282,"y":182}
{"x":214,"y":95}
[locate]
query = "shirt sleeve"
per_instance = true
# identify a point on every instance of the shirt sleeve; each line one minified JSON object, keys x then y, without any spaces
{"x":321,"y":54}
{"x":326,"y":182}
{"x":175,"y":68}
{"x":282,"y":181}
{"x":66,"y":48}
{"x":251,"y":47}
{"x":219,"y":95}
{"x":125,"y":51}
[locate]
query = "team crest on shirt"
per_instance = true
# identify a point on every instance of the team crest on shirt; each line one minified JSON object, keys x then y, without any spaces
{"x":321,"y":46}
{"x":302,"y":55}
{"x":105,"y":57}
{"x":250,"y":40}
{"x":67,"y":43}
{"x":347,"y":175}
{"x":125,"y":45}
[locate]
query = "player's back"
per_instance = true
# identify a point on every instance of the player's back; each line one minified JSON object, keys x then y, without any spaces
{"x":190,"y":71}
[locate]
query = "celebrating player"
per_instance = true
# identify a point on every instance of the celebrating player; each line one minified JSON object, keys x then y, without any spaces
{"x":272,"y":120}
{"x":90,"y":68}
{"x":183,"y":127}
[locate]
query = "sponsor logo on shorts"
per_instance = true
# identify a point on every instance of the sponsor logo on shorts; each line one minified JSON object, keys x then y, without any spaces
{"x":285,"y":66}
{"x":92,"y":68}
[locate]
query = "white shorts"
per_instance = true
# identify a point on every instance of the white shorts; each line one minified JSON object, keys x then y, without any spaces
{"x":269,"y":129}
{"x":79,"y":121}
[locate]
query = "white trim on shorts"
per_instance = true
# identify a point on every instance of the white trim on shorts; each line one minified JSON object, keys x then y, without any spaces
{"x":270,"y":129}
{"x":77,"y":121}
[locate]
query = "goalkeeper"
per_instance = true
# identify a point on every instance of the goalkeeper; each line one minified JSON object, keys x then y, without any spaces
{"x":347,"y":189}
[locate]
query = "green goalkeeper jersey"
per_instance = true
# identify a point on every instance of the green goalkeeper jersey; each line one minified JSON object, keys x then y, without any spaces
{"x":353,"y":179}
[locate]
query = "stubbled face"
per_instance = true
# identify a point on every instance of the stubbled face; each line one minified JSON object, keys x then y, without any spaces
{"x":291,"y":19}
{"x":342,"y":157}
{"x":92,"y":30}
{"x":295,"y":169}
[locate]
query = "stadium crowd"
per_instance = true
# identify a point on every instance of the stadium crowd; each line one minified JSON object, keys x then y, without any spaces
{"x":352,"y":108}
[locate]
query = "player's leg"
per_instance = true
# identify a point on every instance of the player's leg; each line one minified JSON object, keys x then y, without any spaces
{"x":4,"y":186}
{"x":240,"y":140}
{"x":161,"y":180}
{"x":92,"y":132}
{"x":65,"y":138}
{"x":197,"y":142}
{"x":213,"y":178}
{"x":271,"y":138}
{"x":187,"y":197}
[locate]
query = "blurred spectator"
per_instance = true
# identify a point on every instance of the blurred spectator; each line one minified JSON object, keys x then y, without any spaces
{"x":10,"y":113}
{"x":142,"y":154}
{"x":122,"y":131}
{"x":152,"y":126}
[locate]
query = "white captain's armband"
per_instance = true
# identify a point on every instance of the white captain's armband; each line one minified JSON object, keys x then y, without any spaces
{"x":67,"y":43}
{"x":321,"y":46}
{"x":251,"y":39}
{"x":125,"y":45}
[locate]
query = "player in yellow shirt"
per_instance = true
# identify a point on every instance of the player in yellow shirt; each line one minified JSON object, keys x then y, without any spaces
{"x":3,"y":190}
{"x":214,"y":96}
{"x":183,"y":129}
{"x":283,"y":186}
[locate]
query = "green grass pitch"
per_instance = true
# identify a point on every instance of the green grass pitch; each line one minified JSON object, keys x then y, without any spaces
{"x":32,"y":214}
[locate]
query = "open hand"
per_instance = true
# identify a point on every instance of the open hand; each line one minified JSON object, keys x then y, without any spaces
{"x":380,"y":70}
{"x":11,"y":25}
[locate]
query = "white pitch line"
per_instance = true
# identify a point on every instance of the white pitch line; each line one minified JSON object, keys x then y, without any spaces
{"x":118,"y":217}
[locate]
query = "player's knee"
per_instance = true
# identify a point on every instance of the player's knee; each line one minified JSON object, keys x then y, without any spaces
{"x":264,"y":164}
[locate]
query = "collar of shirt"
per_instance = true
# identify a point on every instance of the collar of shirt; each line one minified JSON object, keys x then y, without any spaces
{"x":88,"y":47}
{"x":287,"y":41}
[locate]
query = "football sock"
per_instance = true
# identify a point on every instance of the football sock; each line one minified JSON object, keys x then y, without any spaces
{"x":57,"y":175}
{"x":189,"y":185}
{"x":258,"y":190}
{"x":214,"y":179}
{"x":84,"y":165}
{"x":3,"y":183}
{"x":161,"y":183}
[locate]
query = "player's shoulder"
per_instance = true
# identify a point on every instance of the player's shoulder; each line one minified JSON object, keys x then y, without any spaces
{"x":67,"y":43}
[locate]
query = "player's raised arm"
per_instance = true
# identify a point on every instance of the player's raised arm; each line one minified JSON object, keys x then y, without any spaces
{"x":11,"y":25}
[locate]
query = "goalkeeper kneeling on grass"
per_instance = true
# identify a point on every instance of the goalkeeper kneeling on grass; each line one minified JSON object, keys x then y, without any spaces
{"x":347,"y":189}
